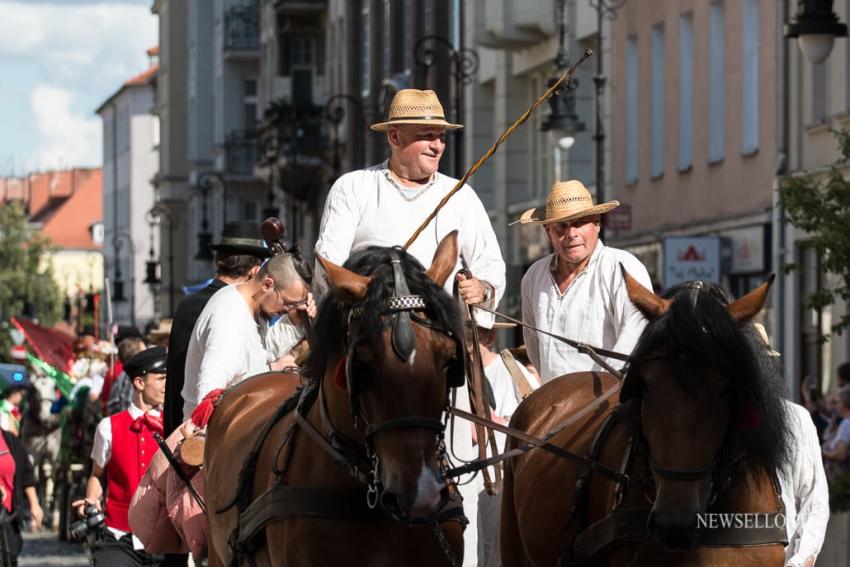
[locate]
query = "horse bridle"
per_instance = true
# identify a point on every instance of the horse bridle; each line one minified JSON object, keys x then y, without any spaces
{"x":401,"y":307}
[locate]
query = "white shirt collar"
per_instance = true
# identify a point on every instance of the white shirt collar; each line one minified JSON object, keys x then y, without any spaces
{"x":137,"y":412}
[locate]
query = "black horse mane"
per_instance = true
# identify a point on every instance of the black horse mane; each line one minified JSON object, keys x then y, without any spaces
{"x":702,"y":332}
{"x":330,"y":325}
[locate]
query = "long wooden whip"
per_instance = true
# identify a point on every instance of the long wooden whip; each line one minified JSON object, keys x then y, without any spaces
{"x":565,"y":79}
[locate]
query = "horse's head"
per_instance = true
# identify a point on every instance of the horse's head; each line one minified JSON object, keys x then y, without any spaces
{"x":704,"y":400}
{"x":40,"y":398}
{"x":397,"y":337}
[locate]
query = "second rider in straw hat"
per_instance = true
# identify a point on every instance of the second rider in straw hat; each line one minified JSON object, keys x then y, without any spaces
{"x":578,"y":291}
{"x":383,"y":205}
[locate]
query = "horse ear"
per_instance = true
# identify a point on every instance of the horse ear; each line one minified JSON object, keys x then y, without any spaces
{"x":350,"y":287}
{"x":445,"y":259}
{"x":646,"y":301}
{"x":748,"y":306}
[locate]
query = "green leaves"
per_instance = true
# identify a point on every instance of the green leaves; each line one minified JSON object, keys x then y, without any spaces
{"x":27,"y":286}
{"x":819,"y":205}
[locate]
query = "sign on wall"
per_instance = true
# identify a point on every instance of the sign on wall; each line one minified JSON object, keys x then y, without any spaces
{"x":688,"y":258}
{"x":747,"y":250}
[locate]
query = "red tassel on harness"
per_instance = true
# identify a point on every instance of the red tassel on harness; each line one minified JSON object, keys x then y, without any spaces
{"x":202,"y":414}
{"x":339,"y":375}
{"x":749,"y":418}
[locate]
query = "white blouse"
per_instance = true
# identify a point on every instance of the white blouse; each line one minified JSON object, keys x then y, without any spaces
{"x":595,"y":309}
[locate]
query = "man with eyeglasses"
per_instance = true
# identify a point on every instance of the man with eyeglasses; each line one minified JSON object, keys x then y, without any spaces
{"x":232,"y":339}
{"x":578,"y":291}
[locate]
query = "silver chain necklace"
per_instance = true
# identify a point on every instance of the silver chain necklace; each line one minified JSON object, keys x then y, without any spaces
{"x":405,"y":193}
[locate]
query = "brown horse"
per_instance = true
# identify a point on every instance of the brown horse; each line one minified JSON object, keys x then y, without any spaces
{"x":701,"y":427}
{"x":354,"y":476}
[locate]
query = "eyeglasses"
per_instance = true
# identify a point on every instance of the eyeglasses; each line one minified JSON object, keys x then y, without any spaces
{"x":287,"y":307}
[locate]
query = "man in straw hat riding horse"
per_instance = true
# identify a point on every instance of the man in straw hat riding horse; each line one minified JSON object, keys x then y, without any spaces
{"x":578,"y":291}
{"x":382,"y":204}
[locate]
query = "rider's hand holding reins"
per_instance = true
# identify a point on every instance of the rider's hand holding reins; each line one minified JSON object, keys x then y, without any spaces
{"x":472,"y":290}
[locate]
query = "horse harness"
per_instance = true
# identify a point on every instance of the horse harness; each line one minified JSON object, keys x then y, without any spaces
{"x":629,"y":524}
{"x":282,"y":501}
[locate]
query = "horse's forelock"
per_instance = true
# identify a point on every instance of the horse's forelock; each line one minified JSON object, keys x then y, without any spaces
{"x":329,"y":327}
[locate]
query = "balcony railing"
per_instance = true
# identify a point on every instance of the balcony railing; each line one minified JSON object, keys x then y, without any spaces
{"x":241,"y":152}
{"x":241,"y":29}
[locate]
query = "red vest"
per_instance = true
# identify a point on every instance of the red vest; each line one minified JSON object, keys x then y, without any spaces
{"x":131,"y":454}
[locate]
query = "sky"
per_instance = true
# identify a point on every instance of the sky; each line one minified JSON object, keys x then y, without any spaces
{"x":59,"y":61}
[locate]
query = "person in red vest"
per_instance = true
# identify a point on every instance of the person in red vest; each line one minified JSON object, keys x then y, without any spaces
{"x":123,"y":448}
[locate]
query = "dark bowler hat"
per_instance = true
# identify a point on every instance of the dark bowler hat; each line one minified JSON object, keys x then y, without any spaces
{"x":242,"y":237}
{"x":152,"y":360}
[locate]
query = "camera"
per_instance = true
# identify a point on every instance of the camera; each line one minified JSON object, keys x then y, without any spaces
{"x":92,"y":521}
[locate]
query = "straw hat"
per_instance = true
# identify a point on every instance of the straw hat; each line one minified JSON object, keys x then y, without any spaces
{"x":161,"y":331}
{"x":568,"y":200}
{"x":412,"y":106}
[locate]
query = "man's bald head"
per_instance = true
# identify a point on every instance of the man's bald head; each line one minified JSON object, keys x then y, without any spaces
{"x":281,"y":269}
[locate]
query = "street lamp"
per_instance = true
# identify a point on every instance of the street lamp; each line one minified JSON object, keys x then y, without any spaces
{"x":155,"y":216}
{"x":605,"y":9}
{"x":205,"y":184}
{"x":815,"y":27}
{"x":118,"y":284}
{"x":464,"y":66}
{"x":335,"y":114}
{"x":562,"y":122}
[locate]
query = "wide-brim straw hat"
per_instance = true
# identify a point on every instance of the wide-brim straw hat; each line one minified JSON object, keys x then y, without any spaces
{"x":412,"y":106}
{"x":568,"y":200}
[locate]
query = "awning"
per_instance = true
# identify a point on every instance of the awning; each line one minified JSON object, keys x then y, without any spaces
{"x":52,"y":346}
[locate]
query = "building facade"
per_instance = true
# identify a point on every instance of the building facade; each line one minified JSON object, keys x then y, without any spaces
{"x":131,"y":140}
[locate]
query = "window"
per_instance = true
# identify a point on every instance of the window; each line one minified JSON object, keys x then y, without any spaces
{"x":716,"y":82}
{"x":252,"y":104}
{"x":686,"y":92}
{"x":749,"y":77}
{"x":406,"y":36}
{"x":365,"y":59}
{"x":388,"y":39}
{"x":657,"y":128}
{"x":819,"y":89}
{"x":631,"y":111}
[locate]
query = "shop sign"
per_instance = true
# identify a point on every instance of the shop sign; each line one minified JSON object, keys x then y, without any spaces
{"x":688,"y":258}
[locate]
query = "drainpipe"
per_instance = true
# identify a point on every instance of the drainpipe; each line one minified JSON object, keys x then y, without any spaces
{"x":781,"y":334}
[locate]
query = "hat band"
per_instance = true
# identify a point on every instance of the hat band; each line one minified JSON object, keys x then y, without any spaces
{"x":397,"y":118}
{"x":228,"y":241}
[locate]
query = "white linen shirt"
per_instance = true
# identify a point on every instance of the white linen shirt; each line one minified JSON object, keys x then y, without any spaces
{"x":101,"y":452}
{"x":805,"y":493}
{"x":228,"y":344}
{"x":595,"y":309}
{"x":367,"y":208}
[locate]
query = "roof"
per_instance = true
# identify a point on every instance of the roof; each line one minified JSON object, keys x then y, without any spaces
{"x":143,"y":79}
{"x":65,"y":203}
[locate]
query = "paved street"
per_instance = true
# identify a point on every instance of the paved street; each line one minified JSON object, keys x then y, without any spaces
{"x":44,"y":549}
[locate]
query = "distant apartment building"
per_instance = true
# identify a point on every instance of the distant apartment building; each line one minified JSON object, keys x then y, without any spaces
{"x":171,"y":182}
{"x":131,"y":140}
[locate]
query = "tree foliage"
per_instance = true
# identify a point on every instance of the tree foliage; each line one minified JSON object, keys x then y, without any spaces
{"x":27,"y":286}
{"x":820,"y":206}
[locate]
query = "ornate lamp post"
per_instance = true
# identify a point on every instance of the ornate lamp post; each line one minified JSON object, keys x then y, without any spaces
{"x":208,"y":180}
{"x":335,"y":114}
{"x":562,"y":122}
{"x":155,"y":216}
{"x":118,"y":283}
{"x":815,"y":27}
{"x":464,"y":66}
{"x":605,"y":9}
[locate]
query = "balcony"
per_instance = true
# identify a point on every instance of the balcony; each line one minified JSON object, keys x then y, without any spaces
{"x":302,"y":6}
{"x":296,"y":140}
{"x":241,"y":32}
{"x":241,"y":152}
